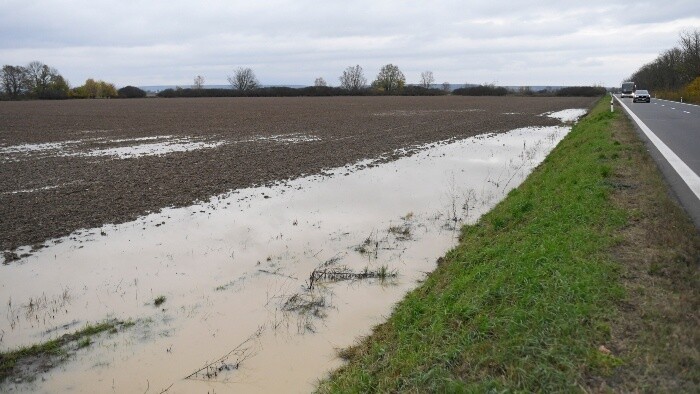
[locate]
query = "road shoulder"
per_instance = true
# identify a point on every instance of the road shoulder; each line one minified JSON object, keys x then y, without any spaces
{"x":655,"y":329}
{"x":684,"y":184}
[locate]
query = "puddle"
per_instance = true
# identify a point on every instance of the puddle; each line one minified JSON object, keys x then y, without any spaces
{"x":567,"y":115}
{"x":167,"y":144}
{"x":133,"y":147}
{"x":36,"y":148}
{"x":294,"y":138}
{"x":256,"y":280}
{"x":138,"y":139}
{"x":153,"y":149}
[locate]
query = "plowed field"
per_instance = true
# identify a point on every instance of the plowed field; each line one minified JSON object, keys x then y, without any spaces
{"x":68,"y":165}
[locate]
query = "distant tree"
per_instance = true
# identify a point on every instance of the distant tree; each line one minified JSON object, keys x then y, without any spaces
{"x":45,"y":82}
{"x":14,"y":81}
{"x":92,"y":88}
{"x":690,"y":49}
{"x":417,"y":90}
{"x":353,"y":79}
{"x":319,"y":82}
{"x":446,"y":87}
{"x":586,"y":91}
{"x":673,"y":69}
{"x":38,"y":77}
{"x":198,"y":82}
{"x":427,"y":79}
{"x":58,"y":88}
{"x":243,"y":79}
{"x":481,"y":90}
{"x":131,"y":92}
{"x":390,"y":79}
{"x":107,"y":90}
{"x":672,"y":66}
{"x":95,"y":89}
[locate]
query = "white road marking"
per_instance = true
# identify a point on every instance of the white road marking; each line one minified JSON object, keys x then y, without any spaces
{"x":689,"y":177}
{"x":686,"y":112}
{"x":672,"y":108}
{"x":676,"y":102}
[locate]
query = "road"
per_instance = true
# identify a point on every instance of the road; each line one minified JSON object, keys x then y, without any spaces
{"x":672,"y":132}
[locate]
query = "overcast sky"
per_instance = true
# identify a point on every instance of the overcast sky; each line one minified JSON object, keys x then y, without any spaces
{"x":293,"y":42}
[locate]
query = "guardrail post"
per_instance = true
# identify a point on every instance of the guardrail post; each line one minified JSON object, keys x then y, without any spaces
{"x":611,"y":103}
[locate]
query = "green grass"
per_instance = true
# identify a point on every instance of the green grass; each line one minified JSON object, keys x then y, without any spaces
{"x":8,"y":360}
{"x":159,"y":300}
{"x":56,"y":350}
{"x":522,"y":303}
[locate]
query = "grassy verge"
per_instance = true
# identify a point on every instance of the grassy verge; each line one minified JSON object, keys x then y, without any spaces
{"x":541,"y":294}
{"x":25,"y":363}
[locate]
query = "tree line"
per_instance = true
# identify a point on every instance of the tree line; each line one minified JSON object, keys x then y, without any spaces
{"x":353,"y":82}
{"x":37,"y":80}
{"x":40,"y":81}
{"x":675,"y":73}
{"x":389,"y":81}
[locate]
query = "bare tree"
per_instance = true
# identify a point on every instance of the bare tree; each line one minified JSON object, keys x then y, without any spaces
{"x":671,"y":62}
{"x":690,"y":48}
{"x":353,"y":79}
{"x":14,"y":80}
{"x":446,"y":87}
{"x":427,"y":79}
{"x":35,"y":80}
{"x":320,"y":82}
{"x":39,"y":77}
{"x":390,"y":79}
{"x":243,"y":79}
{"x":198,"y":82}
{"x":674,"y":68}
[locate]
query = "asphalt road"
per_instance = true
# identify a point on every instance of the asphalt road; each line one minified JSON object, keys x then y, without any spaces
{"x":672,"y":132}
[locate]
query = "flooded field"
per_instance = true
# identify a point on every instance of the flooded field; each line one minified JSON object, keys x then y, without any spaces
{"x":75,"y":164}
{"x":255,"y":289}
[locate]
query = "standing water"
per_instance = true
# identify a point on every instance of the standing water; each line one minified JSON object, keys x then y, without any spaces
{"x":261,"y":286}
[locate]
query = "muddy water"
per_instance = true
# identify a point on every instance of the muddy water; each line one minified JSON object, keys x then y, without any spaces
{"x":235,"y":272}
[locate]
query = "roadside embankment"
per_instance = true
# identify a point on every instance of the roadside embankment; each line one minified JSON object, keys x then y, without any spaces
{"x":585,"y":278}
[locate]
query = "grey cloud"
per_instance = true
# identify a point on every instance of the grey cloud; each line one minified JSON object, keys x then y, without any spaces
{"x":168,"y":42}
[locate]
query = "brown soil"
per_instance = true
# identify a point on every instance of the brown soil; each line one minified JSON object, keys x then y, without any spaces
{"x":85,"y":192}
